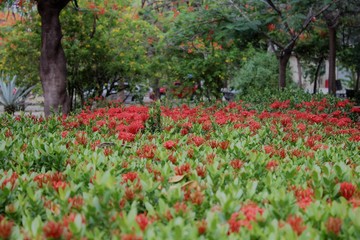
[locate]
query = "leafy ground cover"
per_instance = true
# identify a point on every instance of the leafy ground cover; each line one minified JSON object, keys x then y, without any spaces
{"x":227,"y":171}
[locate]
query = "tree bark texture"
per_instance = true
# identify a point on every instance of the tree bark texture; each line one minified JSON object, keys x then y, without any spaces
{"x":283,"y":61}
{"x":317,"y":75}
{"x":332,"y":61}
{"x":300,"y":84}
{"x":52,"y":59}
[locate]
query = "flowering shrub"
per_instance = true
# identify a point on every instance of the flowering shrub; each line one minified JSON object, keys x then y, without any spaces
{"x":222,"y":171}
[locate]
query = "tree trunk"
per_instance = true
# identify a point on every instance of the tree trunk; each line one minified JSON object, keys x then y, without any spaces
{"x":157,"y":89}
{"x":357,"y":81}
{"x":283,"y":62}
{"x":317,"y":74}
{"x":299,"y":72}
{"x":332,"y":61}
{"x":52,"y":59}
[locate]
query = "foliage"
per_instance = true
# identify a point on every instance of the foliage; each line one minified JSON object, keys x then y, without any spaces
{"x":10,"y":95}
{"x":260,"y":70}
{"x":197,"y":52}
{"x":20,"y":51}
{"x":108,"y":47}
{"x":103,"y":42}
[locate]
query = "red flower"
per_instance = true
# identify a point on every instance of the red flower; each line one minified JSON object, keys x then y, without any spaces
{"x":249,"y":213}
{"x":304,"y":197}
{"x":184,"y":131}
{"x":180,"y":207}
{"x":130,"y":237}
{"x":333,"y":225}
{"x":5,"y":228}
{"x":251,"y":210}
{"x":183,"y":169}
{"x":53,"y":229}
{"x":76,"y":202}
{"x":296,"y":224}
{"x":71,"y":218}
{"x":170,"y":144}
{"x":271,"y":165}
{"x":202,"y":225}
{"x":59,"y":184}
{"x":135,"y":127}
{"x":301,"y":127}
{"x":201,"y":171}
{"x":196,"y":140}
{"x":271,"y":27}
{"x":197,"y":197}
{"x":147,"y":151}
{"x":127,"y":137}
{"x":224,"y":145}
{"x":236,"y":164}
{"x":342,"y":104}
{"x":142,"y":221}
{"x":81,"y":138}
{"x":108,"y":151}
{"x":130,"y":176}
{"x":355,"y":109}
{"x":347,"y":190}
{"x":64,"y":134}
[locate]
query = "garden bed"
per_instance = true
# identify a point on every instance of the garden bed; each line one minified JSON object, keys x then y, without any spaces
{"x":217,"y":172}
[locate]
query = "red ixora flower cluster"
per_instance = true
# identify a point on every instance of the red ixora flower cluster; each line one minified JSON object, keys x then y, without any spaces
{"x":304,"y":197}
{"x":297,"y":224}
{"x":56,"y":179}
{"x":244,"y":217}
{"x":347,"y":190}
{"x":130,"y":176}
{"x":6,"y":227}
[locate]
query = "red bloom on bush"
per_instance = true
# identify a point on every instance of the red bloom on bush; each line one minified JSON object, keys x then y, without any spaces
{"x":301,"y":127}
{"x":224,"y":145}
{"x":11,"y":180}
{"x":236,"y":164}
{"x":81,"y":138}
{"x":251,"y":210}
{"x":5,"y":228}
{"x":53,"y":229}
{"x":64,"y":134}
{"x":271,"y":165}
{"x":127,"y":137}
{"x":342,"y":104}
{"x":201,"y":171}
{"x":180,"y":207}
{"x":333,"y":225}
{"x":108,"y":151}
{"x":130,"y":237}
{"x":71,"y":218}
{"x":202,"y":225}
{"x":147,"y":151}
{"x":184,"y":131}
{"x":130,"y":176}
{"x":183,"y":169}
{"x":135,"y":127}
{"x":59,"y":184}
{"x":76,"y":202}
{"x":196,"y":140}
{"x":142,"y":221}
{"x":355,"y":109}
{"x":347,"y":190}
{"x":296,"y":224}
{"x":170,"y":144}
{"x":247,"y":214}
{"x":304,"y":197}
